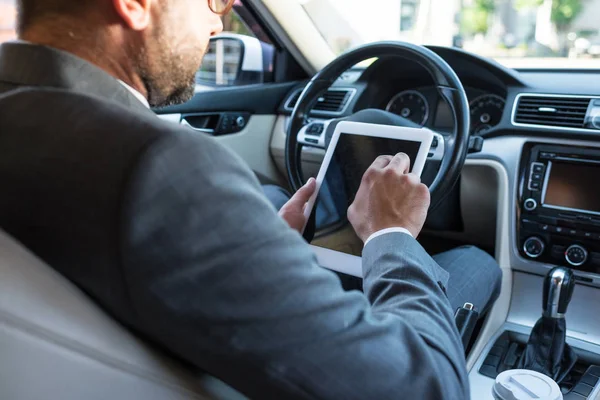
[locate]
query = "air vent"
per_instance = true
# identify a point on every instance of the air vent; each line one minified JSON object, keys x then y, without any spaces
{"x":555,"y":111}
{"x":334,"y":101}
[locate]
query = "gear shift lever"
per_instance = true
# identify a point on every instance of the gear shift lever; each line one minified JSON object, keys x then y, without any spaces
{"x":547,"y":351}
{"x":558,"y":291}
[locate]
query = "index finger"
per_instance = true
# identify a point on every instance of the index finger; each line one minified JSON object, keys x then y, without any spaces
{"x":381,"y":162}
{"x":401,"y":162}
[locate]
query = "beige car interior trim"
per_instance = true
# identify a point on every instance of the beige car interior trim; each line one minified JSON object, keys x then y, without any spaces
{"x":499,"y":312}
{"x":252,"y":144}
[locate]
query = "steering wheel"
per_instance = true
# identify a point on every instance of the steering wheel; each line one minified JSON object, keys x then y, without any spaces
{"x":451,"y":149}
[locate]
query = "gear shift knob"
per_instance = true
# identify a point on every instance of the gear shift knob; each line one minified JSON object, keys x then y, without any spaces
{"x":558,"y":290}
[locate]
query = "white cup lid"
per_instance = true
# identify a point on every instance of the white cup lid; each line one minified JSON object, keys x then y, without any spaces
{"x":523,"y":384}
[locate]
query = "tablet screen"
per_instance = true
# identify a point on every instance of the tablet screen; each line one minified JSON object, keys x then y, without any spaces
{"x":351,"y":158}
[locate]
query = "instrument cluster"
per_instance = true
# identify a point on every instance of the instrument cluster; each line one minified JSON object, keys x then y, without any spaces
{"x":425,"y":108}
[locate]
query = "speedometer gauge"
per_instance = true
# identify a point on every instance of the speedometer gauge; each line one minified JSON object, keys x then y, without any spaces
{"x":486,"y":112}
{"x":411,"y":105}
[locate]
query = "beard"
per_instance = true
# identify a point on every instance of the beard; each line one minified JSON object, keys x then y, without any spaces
{"x":160,"y":96}
{"x":167,"y":68}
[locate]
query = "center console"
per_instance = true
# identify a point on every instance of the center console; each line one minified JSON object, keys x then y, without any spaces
{"x":559,"y":219}
{"x":549,"y":216}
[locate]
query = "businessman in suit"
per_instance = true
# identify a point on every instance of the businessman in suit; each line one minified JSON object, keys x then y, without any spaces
{"x":171,"y":233}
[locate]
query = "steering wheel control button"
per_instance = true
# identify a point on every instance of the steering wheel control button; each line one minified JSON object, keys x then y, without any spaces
{"x":576,"y":255}
{"x":315,"y":129}
{"x":534,"y":247}
{"x":530,"y":204}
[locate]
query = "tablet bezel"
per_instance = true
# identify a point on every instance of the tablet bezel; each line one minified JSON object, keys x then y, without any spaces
{"x":422,"y":135}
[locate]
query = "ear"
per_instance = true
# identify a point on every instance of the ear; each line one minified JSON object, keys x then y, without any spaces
{"x":134,"y":13}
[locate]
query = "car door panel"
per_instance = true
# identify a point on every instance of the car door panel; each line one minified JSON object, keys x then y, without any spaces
{"x":258,"y":104}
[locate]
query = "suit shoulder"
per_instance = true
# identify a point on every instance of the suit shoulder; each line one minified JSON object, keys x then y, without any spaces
{"x":93,"y":116}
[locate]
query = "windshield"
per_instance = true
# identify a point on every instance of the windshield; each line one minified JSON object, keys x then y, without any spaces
{"x":517,"y":33}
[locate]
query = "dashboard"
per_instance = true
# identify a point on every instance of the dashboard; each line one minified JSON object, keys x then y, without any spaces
{"x":514,"y":112}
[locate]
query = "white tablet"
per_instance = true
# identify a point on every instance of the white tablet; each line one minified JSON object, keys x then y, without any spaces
{"x":353,"y":148}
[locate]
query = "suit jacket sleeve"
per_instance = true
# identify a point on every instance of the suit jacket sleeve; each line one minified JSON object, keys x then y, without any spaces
{"x":214,"y":275}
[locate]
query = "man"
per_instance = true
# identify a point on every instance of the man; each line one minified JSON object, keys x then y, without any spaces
{"x":171,"y":233}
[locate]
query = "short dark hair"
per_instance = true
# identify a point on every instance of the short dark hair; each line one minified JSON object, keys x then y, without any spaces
{"x":30,"y":11}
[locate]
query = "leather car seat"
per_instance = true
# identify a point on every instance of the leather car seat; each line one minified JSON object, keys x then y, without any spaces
{"x":55,"y":343}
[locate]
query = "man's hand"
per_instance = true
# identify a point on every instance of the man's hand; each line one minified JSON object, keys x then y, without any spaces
{"x":389,"y":197}
{"x":293,"y":211}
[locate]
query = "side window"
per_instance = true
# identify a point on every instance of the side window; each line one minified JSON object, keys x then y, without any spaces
{"x":241,"y":55}
{"x":8,"y":17}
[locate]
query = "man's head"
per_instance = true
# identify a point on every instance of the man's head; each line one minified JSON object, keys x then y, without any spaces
{"x":154,"y":45}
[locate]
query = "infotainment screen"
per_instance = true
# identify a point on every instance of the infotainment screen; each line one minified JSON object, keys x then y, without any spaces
{"x":572,"y":187}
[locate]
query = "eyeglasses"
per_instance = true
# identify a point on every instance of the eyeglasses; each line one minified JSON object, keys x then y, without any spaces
{"x":220,"y":7}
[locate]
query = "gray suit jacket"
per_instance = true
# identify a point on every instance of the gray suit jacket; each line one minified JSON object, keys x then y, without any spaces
{"x":170,"y":232}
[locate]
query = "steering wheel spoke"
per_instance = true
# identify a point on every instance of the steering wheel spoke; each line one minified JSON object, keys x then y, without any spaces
{"x":438,"y":148}
{"x":314,"y":134}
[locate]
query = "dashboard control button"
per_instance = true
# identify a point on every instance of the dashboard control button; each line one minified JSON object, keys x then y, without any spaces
{"x":557,"y":229}
{"x":576,"y":255}
{"x":530,"y":204}
{"x":536,"y":177}
{"x":537,"y":168}
{"x":535,"y":185}
{"x":571,"y":232}
{"x":545,"y":228}
{"x":534,"y":247}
